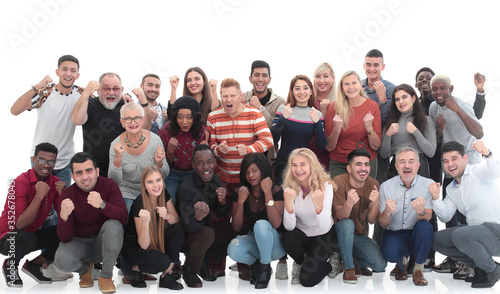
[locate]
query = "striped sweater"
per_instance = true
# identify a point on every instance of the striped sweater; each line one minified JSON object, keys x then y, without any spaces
{"x":248,"y":128}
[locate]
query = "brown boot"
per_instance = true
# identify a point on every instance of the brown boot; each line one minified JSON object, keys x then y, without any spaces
{"x":350,"y":276}
{"x":106,"y":285}
{"x":86,"y":279}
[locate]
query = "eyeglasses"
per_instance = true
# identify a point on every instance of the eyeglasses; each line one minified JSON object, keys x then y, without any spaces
{"x":128,"y":120}
{"x":44,"y":161}
{"x":107,"y":89}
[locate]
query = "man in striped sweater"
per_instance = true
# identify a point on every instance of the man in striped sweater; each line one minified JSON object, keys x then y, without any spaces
{"x":235,"y":130}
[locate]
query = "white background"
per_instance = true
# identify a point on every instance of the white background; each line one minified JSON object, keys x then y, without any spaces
{"x":223,"y":37}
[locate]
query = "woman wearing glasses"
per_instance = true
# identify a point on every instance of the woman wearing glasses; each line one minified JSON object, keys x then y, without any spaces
{"x":133,"y":151}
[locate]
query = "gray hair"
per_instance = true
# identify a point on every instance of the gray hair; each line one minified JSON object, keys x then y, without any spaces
{"x":406,"y":149}
{"x":131,"y":106}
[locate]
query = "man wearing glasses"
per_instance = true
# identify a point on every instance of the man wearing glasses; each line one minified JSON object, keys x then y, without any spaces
{"x":356,"y":204}
{"x":100,"y":116}
{"x":28,"y":202}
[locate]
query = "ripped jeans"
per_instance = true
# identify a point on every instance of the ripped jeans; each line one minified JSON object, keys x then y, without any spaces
{"x":263,"y":243}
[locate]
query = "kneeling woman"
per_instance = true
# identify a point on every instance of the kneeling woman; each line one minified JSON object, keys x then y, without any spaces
{"x":308,"y":194}
{"x":261,"y":204}
{"x":154,"y":236}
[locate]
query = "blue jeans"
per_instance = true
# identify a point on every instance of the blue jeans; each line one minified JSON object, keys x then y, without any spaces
{"x":365,"y":250}
{"x":64,"y":174}
{"x":262,"y":243}
{"x":174,"y":179}
{"x":417,"y":241}
{"x":74,"y":256}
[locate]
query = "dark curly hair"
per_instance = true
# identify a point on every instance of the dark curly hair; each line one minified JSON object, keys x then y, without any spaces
{"x":196,"y":128}
{"x":419,"y":117}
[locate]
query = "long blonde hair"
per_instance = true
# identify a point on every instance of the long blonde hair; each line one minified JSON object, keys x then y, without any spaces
{"x":342,"y":106}
{"x":317,"y":178}
{"x":156,"y":225}
{"x":321,"y":68}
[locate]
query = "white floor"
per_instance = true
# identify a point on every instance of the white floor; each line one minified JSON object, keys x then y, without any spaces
{"x":378,"y":283}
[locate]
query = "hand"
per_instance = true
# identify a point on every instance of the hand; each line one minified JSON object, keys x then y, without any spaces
{"x":289,"y":198}
{"x":174,"y":82}
{"x":435,"y":188}
{"x":266,"y":185}
{"x":287,"y":111}
{"x":162,"y":212}
{"x":479,"y":81}
{"x":165,"y":115}
{"x":410,"y":127}
{"x":67,"y":207}
{"x":60,"y":186}
{"x":440,"y":121}
{"x":243,"y":194}
{"x":127,"y":98}
{"x":314,"y":115}
{"x":221,"y":195}
{"x":223,"y":148}
{"x":92,"y":86}
{"x":255,"y":102}
{"x":323,"y":105}
{"x":418,"y":205}
{"x":451,"y":103}
{"x":374,"y":194}
{"x":390,"y":206}
{"x":139,"y":93}
{"x":94,"y":199}
{"x":317,"y":199}
{"x":368,"y":120}
{"x":204,"y":142}
{"x":172,"y":144}
{"x":118,"y":148}
{"x":213,"y":85}
{"x":153,"y":114}
{"x":393,"y":129}
{"x":242,"y":149}
{"x":352,"y":197}
{"x":338,"y":123}
{"x":380,"y":91}
{"x":144,"y":216}
{"x":480,"y":147}
{"x":201,"y":210}
{"x":159,"y":156}
{"x":243,"y":98}
{"x":41,"y":190}
{"x":45,"y":81}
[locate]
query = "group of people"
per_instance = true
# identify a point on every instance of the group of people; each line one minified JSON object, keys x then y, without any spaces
{"x":255,"y":177}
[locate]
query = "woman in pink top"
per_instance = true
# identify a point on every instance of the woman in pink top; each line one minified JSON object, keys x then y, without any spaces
{"x":352,"y":122}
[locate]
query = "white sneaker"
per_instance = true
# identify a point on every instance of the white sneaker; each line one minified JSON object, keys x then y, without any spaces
{"x":282,"y":271}
{"x":334,"y":261}
{"x":296,"y":273}
{"x":56,"y":275}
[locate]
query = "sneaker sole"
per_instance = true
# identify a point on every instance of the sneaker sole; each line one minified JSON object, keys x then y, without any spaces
{"x":350,"y":282}
{"x":107,"y":291}
{"x":35,"y":278}
{"x":86,"y":286}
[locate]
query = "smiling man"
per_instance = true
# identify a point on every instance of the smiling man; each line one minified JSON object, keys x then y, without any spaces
{"x":475,"y":193}
{"x":356,"y":203}
{"x":151,"y":84}
{"x":54,"y":104}
{"x":405,"y":211}
{"x":197,"y":197}
{"x":100,"y":116}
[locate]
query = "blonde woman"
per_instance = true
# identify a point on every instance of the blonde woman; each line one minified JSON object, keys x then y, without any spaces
{"x":154,"y":236}
{"x":352,"y":122}
{"x":308,"y":196}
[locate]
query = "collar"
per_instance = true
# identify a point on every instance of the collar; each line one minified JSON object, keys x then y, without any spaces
{"x":466,"y":172}
{"x":33,"y":178}
{"x":367,"y":88}
{"x":413,"y":183}
{"x":198,"y":182}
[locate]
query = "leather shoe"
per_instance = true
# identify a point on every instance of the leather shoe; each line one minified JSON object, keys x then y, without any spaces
{"x":401,"y":275}
{"x":350,"y":276}
{"x":263,"y":277}
{"x":488,"y":280}
{"x":205,"y":273}
{"x":418,"y":278}
{"x":362,"y":271}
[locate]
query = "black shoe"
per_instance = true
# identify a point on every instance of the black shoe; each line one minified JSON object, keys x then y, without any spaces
{"x":254,"y":272}
{"x":11,"y":274}
{"x":176,"y":272}
{"x":136,"y":279}
{"x":35,"y":271}
{"x":478,"y":274}
{"x":191,"y":279}
{"x":447,"y":266}
{"x":263,"y":277}
{"x":488,"y":280}
{"x":169,"y":282}
{"x":205,"y":273}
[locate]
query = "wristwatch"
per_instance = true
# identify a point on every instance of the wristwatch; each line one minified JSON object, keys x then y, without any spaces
{"x":270,"y":203}
{"x":423,"y":213}
{"x":103,"y":204}
{"x":262,"y":108}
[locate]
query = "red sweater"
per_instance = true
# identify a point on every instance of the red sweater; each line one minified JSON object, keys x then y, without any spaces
{"x":86,"y":220}
{"x":355,"y":136}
